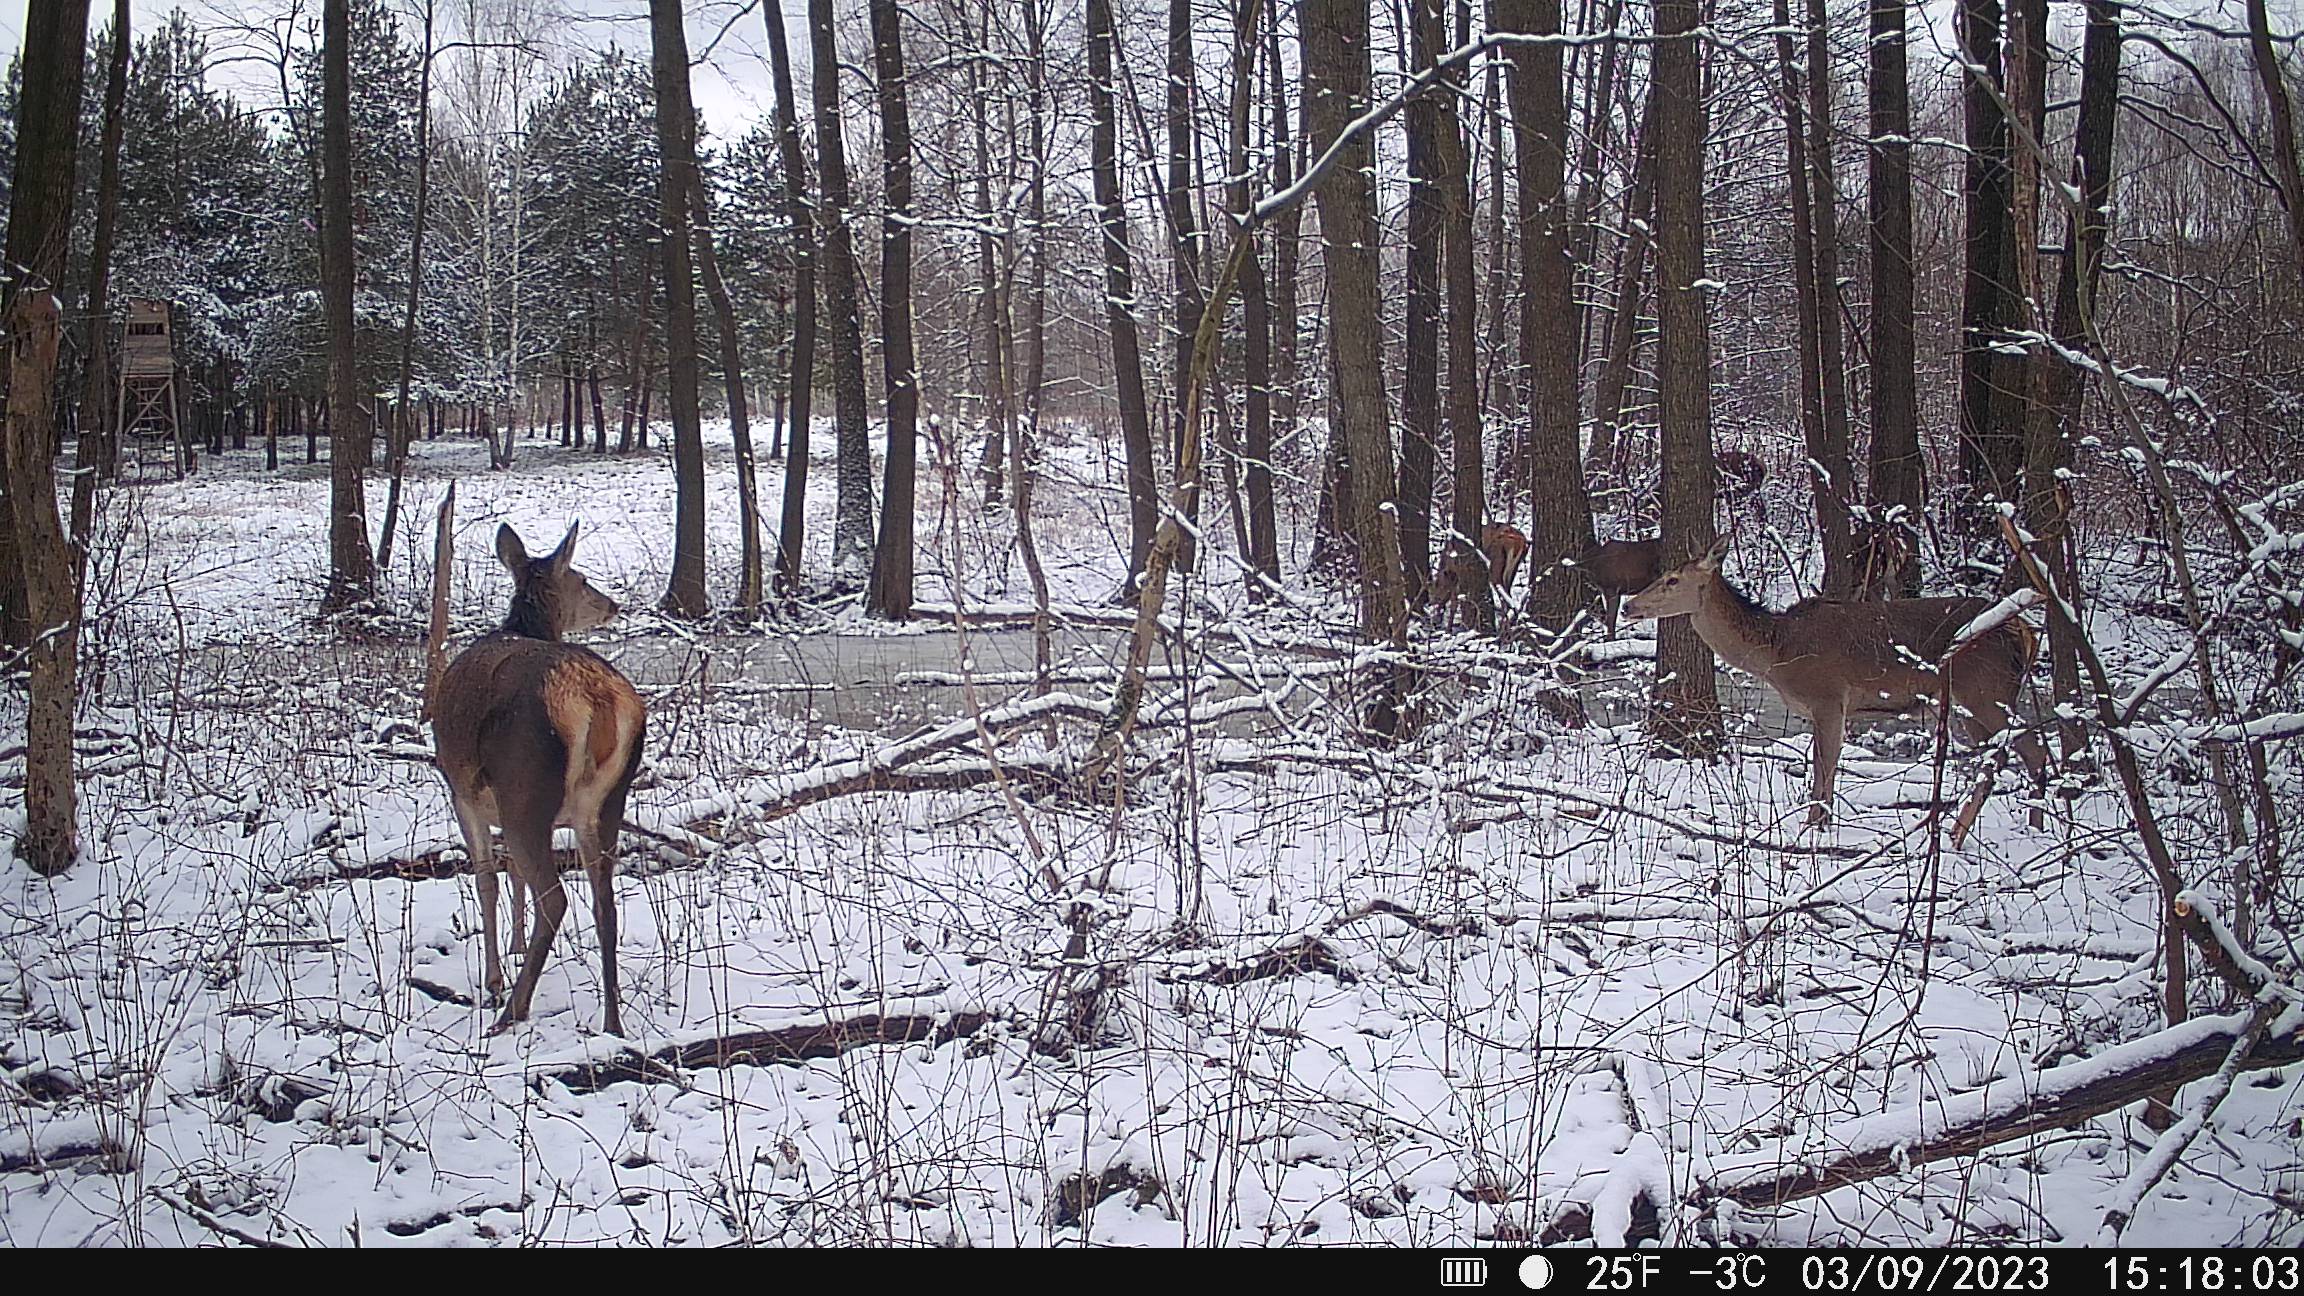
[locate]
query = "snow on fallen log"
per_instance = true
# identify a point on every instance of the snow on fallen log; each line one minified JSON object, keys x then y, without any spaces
{"x":863,"y":773}
{"x":782,"y":1045}
{"x":1851,"y":1152}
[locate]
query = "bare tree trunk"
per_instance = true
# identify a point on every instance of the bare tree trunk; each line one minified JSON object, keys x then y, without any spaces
{"x":97,"y":454}
{"x":800,"y":379}
{"x":1687,"y":706}
{"x":1990,"y":449}
{"x":1835,"y":483}
{"x":1287,"y":240}
{"x":2283,"y":112}
{"x":351,"y":564}
{"x":1420,"y":371}
{"x":676,"y":139}
{"x":1336,"y":90}
{"x":1120,"y":295}
{"x":1184,"y":249}
{"x":891,"y":591}
{"x":749,"y":591}
{"x":1898,"y":486}
{"x":401,"y":433}
{"x":1807,"y":294}
{"x":1467,"y":467}
{"x":1551,"y":463}
{"x":41,"y":570}
{"x":2054,"y":418}
{"x":852,"y":441}
{"x":991,"y":314}
{"x":1602,"y":460}
{"x":1023,"y":442}
{"x":1263,"y":554}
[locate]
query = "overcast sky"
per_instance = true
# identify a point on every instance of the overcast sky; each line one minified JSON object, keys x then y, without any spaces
{"x":731,"y":85}
{"x":731,"y":82}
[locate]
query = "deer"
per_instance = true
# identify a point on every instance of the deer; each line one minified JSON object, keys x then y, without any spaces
{"x":532,"y":734}
{"x":1615,"y":568}
{"x":1502,"y":549}
{"x":1829,"y":659}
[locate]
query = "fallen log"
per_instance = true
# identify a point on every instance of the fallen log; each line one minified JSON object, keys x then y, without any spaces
{"x":781,"y":1046}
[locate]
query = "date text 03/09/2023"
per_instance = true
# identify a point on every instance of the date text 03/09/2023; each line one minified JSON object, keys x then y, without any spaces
{"x":1888,"y":1271}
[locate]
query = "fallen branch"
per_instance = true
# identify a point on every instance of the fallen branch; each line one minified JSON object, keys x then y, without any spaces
{"x":782,"y":1046}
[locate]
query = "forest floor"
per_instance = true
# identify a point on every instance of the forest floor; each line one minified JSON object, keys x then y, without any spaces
{"x":1505,"y":975}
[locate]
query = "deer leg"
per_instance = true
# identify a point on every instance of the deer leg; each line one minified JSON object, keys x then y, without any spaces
{"x":530,"y":845}
{"x":597,"y":844}
{"x":1831,"y":726}
{"x":519,"y":892}
{"x":478,"y":847}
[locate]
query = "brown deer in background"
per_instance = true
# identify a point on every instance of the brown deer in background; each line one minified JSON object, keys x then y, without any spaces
{"x":1502,"y":549}
{"x":1616,"y":568}
{"x":1830,"y":659}
{"x":531,"y":734}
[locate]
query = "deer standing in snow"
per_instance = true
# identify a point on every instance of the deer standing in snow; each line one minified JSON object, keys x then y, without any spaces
{"x":532,"y":734}
{"x":1829,"y":659}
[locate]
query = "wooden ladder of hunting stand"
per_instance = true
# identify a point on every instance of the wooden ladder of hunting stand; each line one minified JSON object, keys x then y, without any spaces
{"x":148,"y":379}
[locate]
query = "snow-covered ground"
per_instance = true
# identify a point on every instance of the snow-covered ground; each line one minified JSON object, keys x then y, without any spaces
{"x":1425,"y":996}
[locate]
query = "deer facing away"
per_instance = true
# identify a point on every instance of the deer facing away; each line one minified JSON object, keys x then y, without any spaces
{"x":1830,"y":659}
{"x":531,"y":734}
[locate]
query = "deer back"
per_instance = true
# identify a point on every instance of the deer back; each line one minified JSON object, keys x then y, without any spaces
{"x":528,"y":726}
{"x":1863,"y":655}
{"x":1619,"y":566}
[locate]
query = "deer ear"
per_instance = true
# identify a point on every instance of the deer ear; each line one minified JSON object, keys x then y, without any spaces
{"x":1711,"y":559}
{"x":509,"y":550}
{"x":565,"y":556}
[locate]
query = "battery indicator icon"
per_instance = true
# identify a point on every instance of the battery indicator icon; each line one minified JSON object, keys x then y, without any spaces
{"x":1463,"y":1271}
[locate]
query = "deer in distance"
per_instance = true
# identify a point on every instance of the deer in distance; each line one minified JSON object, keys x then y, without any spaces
{"x":1829,"y":659}
{"x":1502,"y":549}
{"x":1616,"y":568}
{"x":532,"y":734}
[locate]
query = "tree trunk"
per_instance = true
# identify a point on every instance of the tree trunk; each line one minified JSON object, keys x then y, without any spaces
{"x":1468,"y":491}
{"x":1687,"y":707}
{"x":852,"y":522}
{"x":678,"y":183}
{"x":351,"y":564}
{"x":1551,"y":462}
{"x":890,"y":595}
{"x":1898,"y":487}
{"x":1336,"y":90}
{"x":1604,"y":458}
{"x":1835,"y":485}
{"x":750,"y":581}
{"x":1806,"y":296}
{"x":1991,"y":450}
{"x":1120,"y":295}
{"x":401,"y":433}
{"x":2054,"y":419}
{"x":1287,"y":239}
{"x":791,"y":531}
{"x":991,"y":313}
{"x":97,"y":454}
{"x":38,"y":560}
{"x":2283,"y":113}
{"x":1184,"y":248}
{"x":1263,"y":556}
{"x":1420,"y":370}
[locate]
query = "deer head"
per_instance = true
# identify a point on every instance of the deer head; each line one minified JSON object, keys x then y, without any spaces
{"x":1680,"y":591}
{"x":550,"y":598}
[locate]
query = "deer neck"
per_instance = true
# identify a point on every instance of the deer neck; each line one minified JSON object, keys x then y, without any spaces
{"x":1738,"y":629}
{"x":528,"y":620}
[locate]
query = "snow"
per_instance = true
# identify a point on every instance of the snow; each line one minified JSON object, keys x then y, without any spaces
{"x":1534,"y":968}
